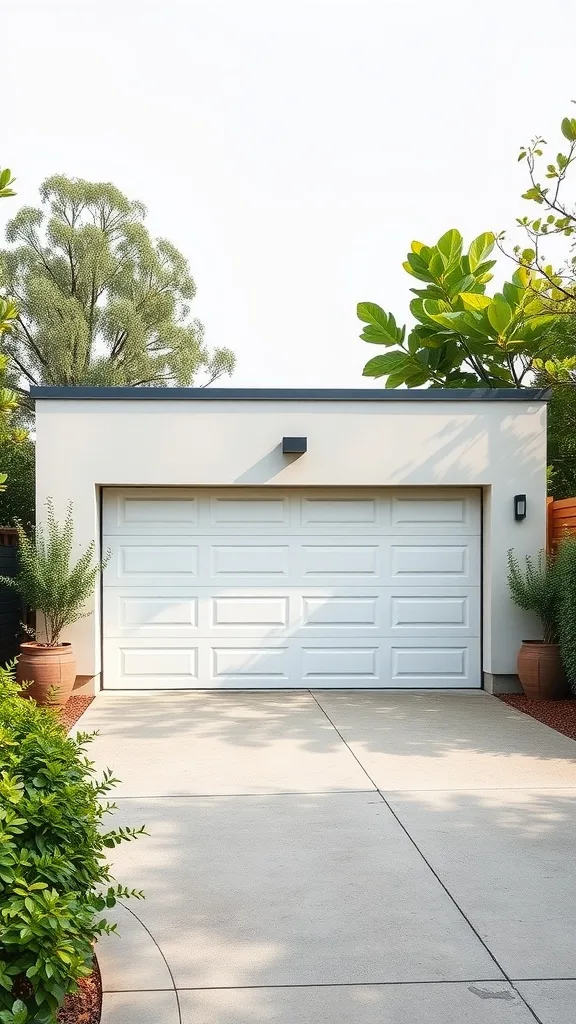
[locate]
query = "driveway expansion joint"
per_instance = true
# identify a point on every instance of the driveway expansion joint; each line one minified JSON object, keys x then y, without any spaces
{"x":161,"y":951}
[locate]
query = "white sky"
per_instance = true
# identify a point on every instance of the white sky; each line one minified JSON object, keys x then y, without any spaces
{"x":291,"y":150}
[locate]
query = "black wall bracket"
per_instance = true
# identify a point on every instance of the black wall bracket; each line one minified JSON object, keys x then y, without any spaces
{"x":294,"y":445}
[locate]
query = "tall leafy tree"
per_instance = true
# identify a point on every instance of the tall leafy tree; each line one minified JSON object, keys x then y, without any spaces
{"x":553,"y":231}
{"x":554,"y":228}
{"x":522,"y":334}
{"x":100,"y":302}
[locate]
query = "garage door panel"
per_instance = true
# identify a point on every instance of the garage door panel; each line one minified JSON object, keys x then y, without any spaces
{"x":423,"y":512}
{"x":250,"y":664}
{"x":339,"y":561}
{"x":151,"y":561}
{"x":435,"y":662}
{"x":348,"y":664}
{"x":127,"y":611}
{"x":148,"y":665}
{"x":147,"y":511}
{"x":233,"y":559}
{"x":429,"y":560}
{"x":324,"y":511}
{"x":350,"y":611}
{"x":442,"y":611}
{"x":235,"y":512}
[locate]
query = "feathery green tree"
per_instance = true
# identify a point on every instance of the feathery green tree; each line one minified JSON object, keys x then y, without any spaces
{"x":10,"y":437}
{"x":100,"y":302}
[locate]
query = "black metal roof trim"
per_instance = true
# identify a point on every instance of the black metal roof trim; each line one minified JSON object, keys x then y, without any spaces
{"x":296,"y":394}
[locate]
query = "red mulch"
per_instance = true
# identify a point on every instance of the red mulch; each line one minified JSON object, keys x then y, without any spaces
{"x":84,"y":1007}
{"x":74,"y":707}
{"x":558,"y":714}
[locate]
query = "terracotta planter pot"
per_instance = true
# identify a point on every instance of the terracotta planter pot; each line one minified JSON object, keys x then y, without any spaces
{"x":51,"y":670}
{"x":540,"y":671}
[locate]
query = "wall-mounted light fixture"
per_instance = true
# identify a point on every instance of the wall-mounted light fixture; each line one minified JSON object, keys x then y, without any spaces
{"x":294,"y":445}
{"x":519,"y":507}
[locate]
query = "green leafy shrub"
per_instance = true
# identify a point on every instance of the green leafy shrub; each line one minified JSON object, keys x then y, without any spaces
{"x":566,"y":571}
{"x":54,"y":878}
{"x":17,"y":501}
{"x":534,"y":589}
{"x":48,"y":579}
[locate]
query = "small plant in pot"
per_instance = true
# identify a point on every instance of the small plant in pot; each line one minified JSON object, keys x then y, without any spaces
{"x":534,"y":588}
{"x":54,"y":585}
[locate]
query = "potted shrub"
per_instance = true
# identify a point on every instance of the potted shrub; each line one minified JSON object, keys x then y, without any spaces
{"x":534,"y":588}
{"x":53,"y":584}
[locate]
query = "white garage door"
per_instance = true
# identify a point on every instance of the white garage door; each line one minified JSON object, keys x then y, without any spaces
{"x":291,"y":588}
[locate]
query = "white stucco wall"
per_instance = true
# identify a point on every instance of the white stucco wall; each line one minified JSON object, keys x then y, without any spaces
{"x":83,"y":444}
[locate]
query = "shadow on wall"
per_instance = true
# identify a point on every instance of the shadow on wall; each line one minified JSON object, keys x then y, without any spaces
{"x":452,"y":454}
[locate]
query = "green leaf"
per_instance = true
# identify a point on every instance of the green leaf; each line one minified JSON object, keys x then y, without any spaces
{"x":450,"y":246}
{"x":533,"y":330}
{"x":528,"y":255}
{"x":473,"y":300}
{"x":480,"y":249}
{"x":395,"y":380}
{"x":374,"y":335}
{"x":457,"y":284}
{"x":387,"y":363}
{"x":424,"y":309}
{"x":371,"y":313}
{"x":499,"y":315}
{"x":413,"y":342}
{"x":436,"y":265}
{"x":569,"y":128}
{"x":416,"y":378}
{"x":534,"y":193}
{"x":416,"y":266}
{"x":512,"y":293}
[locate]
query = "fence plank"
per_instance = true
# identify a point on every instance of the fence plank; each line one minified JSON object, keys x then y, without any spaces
{"x":560,"y":520}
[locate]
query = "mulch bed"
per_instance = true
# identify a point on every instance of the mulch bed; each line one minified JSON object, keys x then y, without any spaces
{"x":558,"y":714}
{"x":84,"y":1007}
{"x":74,"y":707}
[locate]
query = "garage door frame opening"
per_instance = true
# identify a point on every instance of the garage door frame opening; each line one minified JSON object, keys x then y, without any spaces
{"x":301,"y":588}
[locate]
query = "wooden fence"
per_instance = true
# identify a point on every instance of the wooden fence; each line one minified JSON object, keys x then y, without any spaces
{"x":561,"y":519}
{"x":11,"y":612}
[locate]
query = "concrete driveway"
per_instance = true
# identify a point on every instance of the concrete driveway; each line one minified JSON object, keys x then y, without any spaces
{"x":360,"y":858}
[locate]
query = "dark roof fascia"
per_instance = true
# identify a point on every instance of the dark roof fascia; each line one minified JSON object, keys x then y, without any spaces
{"x":293,"y":394}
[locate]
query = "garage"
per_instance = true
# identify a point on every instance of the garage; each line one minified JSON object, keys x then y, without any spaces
{"x":281,"y":588}
{"x":268,"y":538}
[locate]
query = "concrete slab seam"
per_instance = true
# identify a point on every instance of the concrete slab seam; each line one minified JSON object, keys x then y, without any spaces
{"x":160,"y":950}
{"x":215,"y":796}
{"x":331,"y":984}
